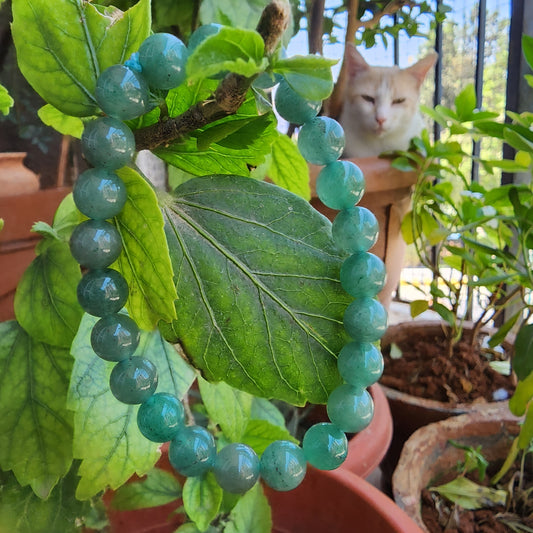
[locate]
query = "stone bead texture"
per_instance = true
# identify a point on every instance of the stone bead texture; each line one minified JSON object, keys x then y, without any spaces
{"x":360,"y":364}
{"x":340,"y":185}
{"x":325,"y":446}
{"x":236,"y":468}
{"x":107,"y":142}
{"x":201,"y":34}
{"x":95,"y":244}
{"x":160,"y":417}
{"x":192,"y":451}
{"x":321,"y":141}
{"x":115,"y":337}
{"x":163,"y":57}
{"x":293,"y":107}
{"x":133,"y":380}
{"x":363,"y":274}
{"x":350,"y":409}
{"x":355,"y":229}
{"x":365,"y":320}
{"x":282,"y":465}
{"x":102,"y":292}
{"x":122,"y":93}
{"x":99,"y":193}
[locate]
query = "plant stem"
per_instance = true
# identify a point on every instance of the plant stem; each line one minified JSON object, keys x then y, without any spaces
{"x":229,"y":95}
{"x":316,"y":26}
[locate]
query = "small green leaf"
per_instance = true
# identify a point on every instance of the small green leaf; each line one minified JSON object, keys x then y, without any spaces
{"x":252,"y":513}
{"x":158,"y":488}
{"x":144,"y":260}
{"x":46,"y":304}
{"x":181,"y":98}
{"x":417,"y":307}
{"x":228,"y":407}
{"x":470,"y":495}
{"x":408,"y":228}
{"x":521,"y":396}
{"x":465,"y":102}
{"x":6,"y":102}
{"x":288,"y":168}
{"x":260,"y":433}
{"x":63,"y":46}
{"x":445,"y":313}
{"x":263,"y":409}
{"x":523,"y":347}
{"x":21,"y":511}
{"x":231,"y":49}
{"x":64,"y":124}
{"x":45,"y":230}
{"x":35,"y":426}
{"x":232,"y":12}
{"x":220,"y":131}
{"x":106,"y":436}
{"x":525,"y":436}
{"x":202,"y":497}
{"x":310,"y":76}
{"x":256,"y":271}
{"x":67,"y":217}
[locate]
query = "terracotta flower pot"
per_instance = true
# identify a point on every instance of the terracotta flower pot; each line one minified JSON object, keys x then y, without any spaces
{"x":428,"y":454}
{"x":15,"y":178}
{"x":388,"y":196}
{"x":335,"y":501}
{"x":409,"y":412}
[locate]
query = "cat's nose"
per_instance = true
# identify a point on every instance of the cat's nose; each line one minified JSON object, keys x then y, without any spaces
{"x":381,"y":120}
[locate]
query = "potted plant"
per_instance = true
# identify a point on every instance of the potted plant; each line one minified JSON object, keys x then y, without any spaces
{"x":211,"y":274}
{"x":482,"y":240}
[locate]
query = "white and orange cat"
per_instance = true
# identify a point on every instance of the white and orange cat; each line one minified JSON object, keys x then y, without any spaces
{"x":380,"y":110}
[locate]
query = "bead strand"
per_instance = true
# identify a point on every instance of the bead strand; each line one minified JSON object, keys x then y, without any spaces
{"x":108,"y":144}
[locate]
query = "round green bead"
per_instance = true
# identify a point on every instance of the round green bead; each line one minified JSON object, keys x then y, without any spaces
{"x":115,"y":337}
{"x":163,"y":58}
{"x":293,"y":107}
{"x":340,"y":185}
{"x":282,"y":465}
{"x":350,"y":409}
{"x":321,"y":140}
{"x":363,"y":274}
{"x":107,"y":142}
{"x":95,"y":243}
{"x":360,"y":364}
{"x":355,"y":229}
{"x":99,"y":193}
{"x":102,"y":292}
{"x":365,"y":320}
{"x":121,"y":92}
{"x":160,"y":417}
{"x":236,"y":468}
{"x":325,"y":446}
{"x":192,"y":451}
{"x":133,"y":380}
{"x":201,"y":33}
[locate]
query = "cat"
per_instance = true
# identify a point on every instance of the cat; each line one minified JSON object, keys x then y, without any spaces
{"x":380,"y":111}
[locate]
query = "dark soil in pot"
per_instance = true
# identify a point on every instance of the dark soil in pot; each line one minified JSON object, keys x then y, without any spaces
{"x":440,"y":515}
{"x":425,"y":370}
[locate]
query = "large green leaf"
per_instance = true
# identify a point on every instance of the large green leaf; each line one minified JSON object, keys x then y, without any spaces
{"x":21,"y":511}
{"x":288,"y":168}
{"x":523,"y":358}
{"x":228,"y":407}
{"x":62,"y":47}
{"x":35,"y":426}
{"x":260,"y":304}
{"x":46,"y":304}
{"x":310,"y":76}
{"x":231,"y":49}
{"x":144,"y":260}
{"x":202,"y":497}
{"x":106,"y":436}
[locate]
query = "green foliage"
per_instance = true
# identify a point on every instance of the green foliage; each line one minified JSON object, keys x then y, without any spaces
{"x":470,"y":495}
{"x":6,"y":102}
{"x":157,"y":488}
{"x":64,"y":124}
{"x":202,"y":497}
{"x":62,"y":66}
{"x":252,"y":513}
{"x":227,"y":328}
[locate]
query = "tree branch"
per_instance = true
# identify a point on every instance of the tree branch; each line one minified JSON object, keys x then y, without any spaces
{"x":316,"y":26}
{"x":229,"y":95}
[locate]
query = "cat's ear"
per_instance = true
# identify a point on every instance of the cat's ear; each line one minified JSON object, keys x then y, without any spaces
{"x":420,"y":69}
{"x":355,"y":61}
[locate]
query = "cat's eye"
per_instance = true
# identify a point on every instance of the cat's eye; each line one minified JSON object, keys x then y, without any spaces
{"x":398,"y":101}
{"x":368,"y":98}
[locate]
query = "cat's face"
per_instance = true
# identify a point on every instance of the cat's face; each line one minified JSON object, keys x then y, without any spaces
{"x":383,"y":100}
